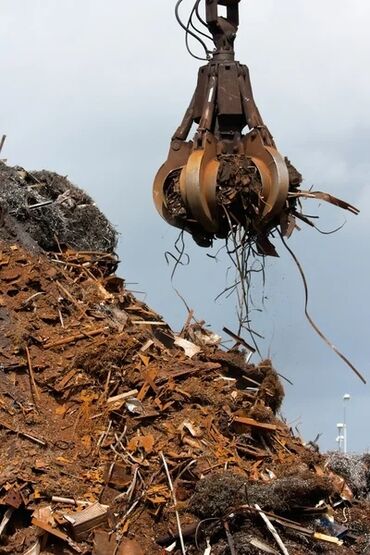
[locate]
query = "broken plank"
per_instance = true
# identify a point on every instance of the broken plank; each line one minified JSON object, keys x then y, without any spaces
{"x":120,"y":399}
{"x":255,"y":424}
{"x":57,"y":533}
{"x":77,"y":337}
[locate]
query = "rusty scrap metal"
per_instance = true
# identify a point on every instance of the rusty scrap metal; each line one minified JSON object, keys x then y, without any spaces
{"x":84,"y":521}
{"x":77,"y":337}
{"x":23,"y":434}
{"x":128,"y":421}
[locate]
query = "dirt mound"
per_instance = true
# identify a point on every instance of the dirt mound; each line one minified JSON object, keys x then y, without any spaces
{"x":45,"y":209}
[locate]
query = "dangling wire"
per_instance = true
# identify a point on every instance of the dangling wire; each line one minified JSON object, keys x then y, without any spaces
{"x":188,"y":32}
{"x":309,"y":317}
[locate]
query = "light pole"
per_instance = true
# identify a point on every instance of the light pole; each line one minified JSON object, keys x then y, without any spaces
{"x":340,"y":437}
{"x":346,"y":399}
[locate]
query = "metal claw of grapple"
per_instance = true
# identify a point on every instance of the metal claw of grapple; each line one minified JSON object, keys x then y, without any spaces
{"x":222,"y":106}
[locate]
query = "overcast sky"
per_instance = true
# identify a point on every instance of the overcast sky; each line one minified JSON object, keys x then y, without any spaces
{"x":94,"y":89}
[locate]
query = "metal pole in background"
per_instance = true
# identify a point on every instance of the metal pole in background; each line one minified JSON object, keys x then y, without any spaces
{"x":346,"y":399}
{"x":2,"y":141}
{"x":340,"y":437}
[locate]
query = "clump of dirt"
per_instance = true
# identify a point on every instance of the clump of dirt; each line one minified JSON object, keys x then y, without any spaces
{"x":355,"y":469}
{"x":44,"y":209}
{"x":286,"y":494}
{"x":217,"y":494}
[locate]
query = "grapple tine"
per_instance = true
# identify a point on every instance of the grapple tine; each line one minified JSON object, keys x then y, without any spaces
{"x":273,"y":172}
{"x":198,"y":183}
{"x":177,"y":158}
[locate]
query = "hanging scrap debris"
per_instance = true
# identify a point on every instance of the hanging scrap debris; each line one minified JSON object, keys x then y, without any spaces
{"x":226,"y":183}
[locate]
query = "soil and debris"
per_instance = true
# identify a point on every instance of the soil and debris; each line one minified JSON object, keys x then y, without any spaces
{"x":120,"y":437}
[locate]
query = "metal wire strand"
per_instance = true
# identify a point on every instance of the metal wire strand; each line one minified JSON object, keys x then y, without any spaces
{"x":309,"y":317}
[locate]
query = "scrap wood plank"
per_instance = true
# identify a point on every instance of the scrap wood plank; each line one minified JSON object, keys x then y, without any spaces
{"x":253,"y":451}
{"x":57,"y":533}
{"x":255,"y":424}
{"x":85,"y":335}
{"x":202,"y":367}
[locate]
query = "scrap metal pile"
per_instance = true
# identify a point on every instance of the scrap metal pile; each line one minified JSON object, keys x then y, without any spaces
{"x":120,"y":437}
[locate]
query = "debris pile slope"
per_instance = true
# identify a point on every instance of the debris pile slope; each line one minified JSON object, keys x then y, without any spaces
{"x":120,"y":437}
{"x":100,"y":407}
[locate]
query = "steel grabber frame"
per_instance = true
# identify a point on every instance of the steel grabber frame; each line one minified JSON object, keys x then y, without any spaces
{"x":222,"y":106}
